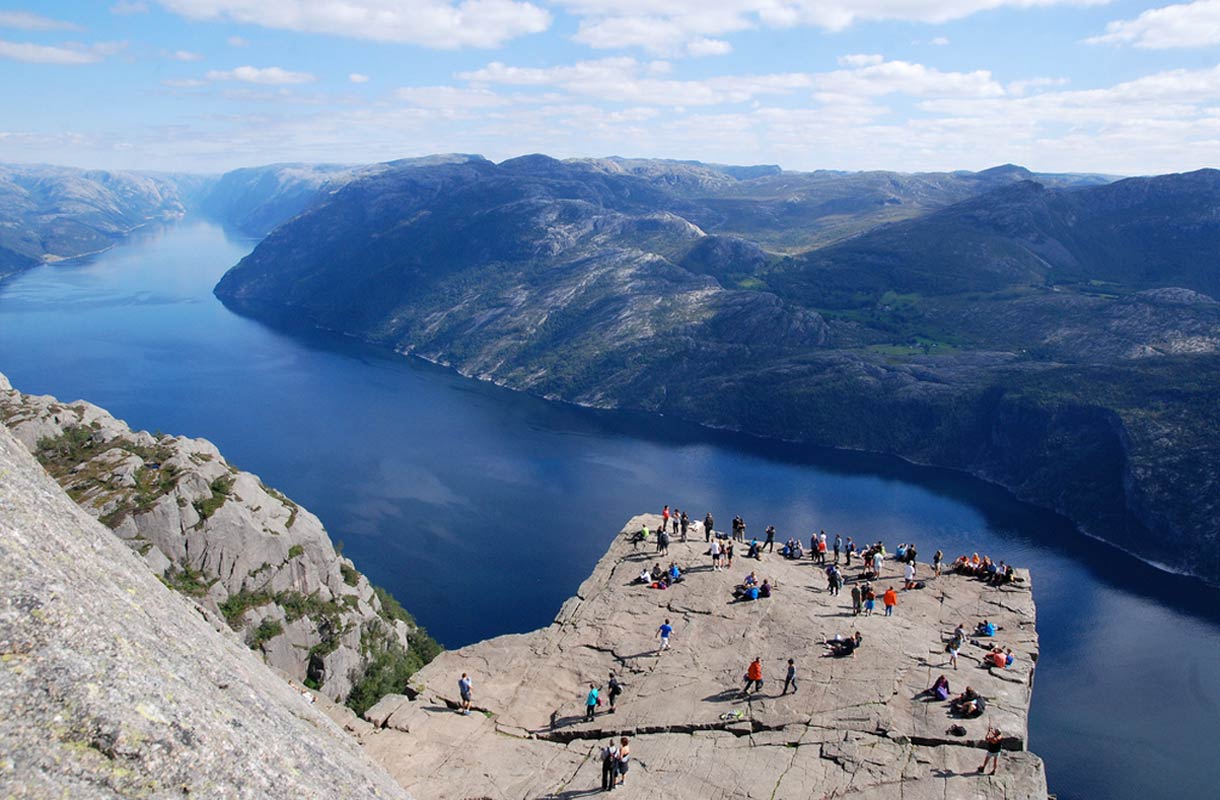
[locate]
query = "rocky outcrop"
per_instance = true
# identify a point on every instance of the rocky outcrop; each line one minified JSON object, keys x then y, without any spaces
{"x":856,"y":726}
{"x":111,"y":685}
{"x":239,"y":549}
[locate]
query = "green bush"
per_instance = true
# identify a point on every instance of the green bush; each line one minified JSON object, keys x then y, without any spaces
{"x":267,"y":630}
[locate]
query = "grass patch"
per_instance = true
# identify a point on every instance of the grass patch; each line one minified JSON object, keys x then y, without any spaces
{"x":350,"y":576}
{"x":267,"y":630}
{"x":222,"y":487}
{"x":187,"y":580}
{"x":296,"y":551}
{"x":236,"y":605}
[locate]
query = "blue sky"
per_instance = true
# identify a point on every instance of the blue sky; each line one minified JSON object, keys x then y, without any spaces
{"x":209,"y":85}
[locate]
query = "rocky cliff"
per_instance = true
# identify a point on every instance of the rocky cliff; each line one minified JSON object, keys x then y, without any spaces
{"x":855,"y":727}
{"x":112,"y":685}
{"x":237,"y":548}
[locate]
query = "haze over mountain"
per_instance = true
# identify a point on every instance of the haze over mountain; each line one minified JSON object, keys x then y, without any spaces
{"x":1054,"y":334}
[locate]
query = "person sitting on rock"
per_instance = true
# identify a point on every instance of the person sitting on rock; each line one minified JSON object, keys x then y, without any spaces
{"x":840,"y":647}
{"x":985,"y":628}
{"x":644,"y":576}
{"x":640,"y":536}
{"x":656,"y":573}
{"x":940,"y":689}
{"x":755,"y":552}
{"x":969,"y":703}
{"x":766,"y":588}
{"x":675,"y":574}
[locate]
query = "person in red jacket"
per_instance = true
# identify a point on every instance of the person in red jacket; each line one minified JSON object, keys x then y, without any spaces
{"x":754,"y":678}
{"x":890,"y":598}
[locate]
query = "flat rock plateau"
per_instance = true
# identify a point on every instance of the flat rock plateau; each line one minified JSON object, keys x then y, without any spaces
{"x":857,"y":726}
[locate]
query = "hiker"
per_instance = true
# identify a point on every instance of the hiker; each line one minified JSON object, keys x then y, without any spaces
{"x":591,"y":702}
{"x":855,"y":600}
{"x":909,"y":575}
{"x":838,"y":546}
{"x":644,"y":576}
{"x":707,"y":527}
{"x":835,"y":579}
{"x":851,"y":549}
{"x":765,"y":589}
{"x":685,"y":523}
{"x":790,"y":678}
{"x":995,"y":741}
{"x":985,"y":628}
{"x":890,"y":599}
{"x":754,"y":676}
{"x":969,"y":703}
{"x":624,"y":756}
{"x":466,"y":689}
{"x":662,"y":542}
{"x":955,"y":644}
{"x":937,"y":558}
{"x":675,"y":574}
{"x":715,"y":551}
{"x":755,"y":551}
{"x":770,"y":543}
{"x":911,"y":553}
{"x":615,"y":689}
{"x":870,"y":600}
{"x":665,"y":518}
{"x":728,"y":554}
{"x":840,"y":647}
{"x":609,"y":765}
{"x":664,"y":632}
{"x":822,"y":549}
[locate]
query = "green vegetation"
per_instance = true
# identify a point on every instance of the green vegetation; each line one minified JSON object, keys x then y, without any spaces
{"x":222,"y":487}
{"x":296,"y":551}
{"x":187,"y":580}
{"x":291,"y":506}
{"x":236,"y":605}
{"x":350,"y":576}
{"x":267,"y":630}
{"x":389,"y":666}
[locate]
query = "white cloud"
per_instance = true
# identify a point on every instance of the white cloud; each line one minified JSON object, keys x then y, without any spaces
{"x":237,"y":41}
{"x":183,"y":55}
{"x":1018,"y":88}
{"x":183,"y":83}
{"x":939,"y":41}
{"x":1187,"y":25}
{"x":67,"y":53}
{"x":450,"y":97}
{"x":356,"y":77}
{"x":708,"y":47}
{"x":126,"y":8}
{"x":432,"y":23}
{"x":871,"y":75}
{"x":667,"y":27}
{"x":267,"y":76}
{"x":24,"y":20}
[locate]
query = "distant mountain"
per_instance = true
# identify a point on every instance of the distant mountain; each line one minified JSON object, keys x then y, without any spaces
{"x":1057,"y":335}
{"x":51,"y":213}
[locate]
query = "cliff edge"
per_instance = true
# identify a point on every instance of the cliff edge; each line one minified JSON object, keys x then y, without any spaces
{"x":112,"y":685}
{"x":857,"y":726}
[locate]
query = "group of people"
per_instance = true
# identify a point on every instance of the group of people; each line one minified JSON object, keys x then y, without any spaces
{"x":677,"y":520}
{"x":751,"y":589}
{"x":616,"y":757}
{"x":985,"y":569}
{"x":659,"y":578}
{"x":721,"y":553}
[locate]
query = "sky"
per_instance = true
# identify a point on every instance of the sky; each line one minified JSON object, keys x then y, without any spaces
{"x":1116,"y":87}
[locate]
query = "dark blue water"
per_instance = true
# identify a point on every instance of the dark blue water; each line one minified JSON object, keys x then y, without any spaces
{"x":482,"y":509}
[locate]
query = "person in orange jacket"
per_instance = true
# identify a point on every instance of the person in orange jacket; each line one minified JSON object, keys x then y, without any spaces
{"x":890,"y":598}
{"x":754,"y":678}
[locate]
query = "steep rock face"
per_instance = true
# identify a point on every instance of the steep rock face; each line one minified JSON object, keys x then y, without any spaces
{"x":113,"y":686}
{"x":218,"y":535}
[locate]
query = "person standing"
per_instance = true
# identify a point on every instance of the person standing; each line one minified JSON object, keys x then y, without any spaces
{"x":754,"y":676}
{"x":663,"y":542}
{"x":851,"y":549}
{"x":937,"y":557}
{"x":890,"y":599}
{"x":665,"y":518}
{"x":838,"y":546}
{"x":715,"y":551}
{"x":685,"y":522}
{"x":707,"y":527}
{"x":615,"y":689}
{"x":591,"y":702}
{"x":609,"y":766}
{"x":728,"y":555}
{"x":870,"y":600}
{"x":770,"y":543}
{"x":790,"y":678}
{"x":466,"y":689}
{"x":624,"y":758}
{"x":664,"y":632}
{"x":855,"y":600}
{"x":995,"y":743}
{"x":908,"y":572}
